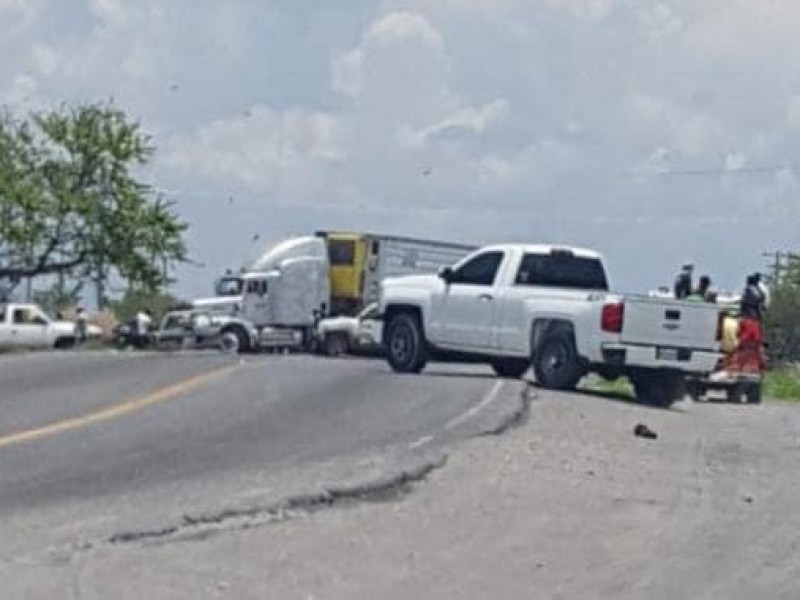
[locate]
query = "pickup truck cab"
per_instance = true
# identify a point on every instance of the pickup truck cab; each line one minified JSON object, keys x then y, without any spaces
{"x":27,"y":326}
{"x":515,"y":306}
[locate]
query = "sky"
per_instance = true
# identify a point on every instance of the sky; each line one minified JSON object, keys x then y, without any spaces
{"x":657,"y":132}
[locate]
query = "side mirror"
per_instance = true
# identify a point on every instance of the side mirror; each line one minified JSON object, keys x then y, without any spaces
{"x":446,"y":274}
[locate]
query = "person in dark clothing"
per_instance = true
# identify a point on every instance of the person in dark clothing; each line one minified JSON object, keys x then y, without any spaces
{"x":749,"y":356}
{"x":683,"y":283}
{"x":703,"y":293}
{"x":752,"y":303}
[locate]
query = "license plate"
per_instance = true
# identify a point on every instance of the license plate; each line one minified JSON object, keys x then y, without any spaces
{"x":667,"y":354}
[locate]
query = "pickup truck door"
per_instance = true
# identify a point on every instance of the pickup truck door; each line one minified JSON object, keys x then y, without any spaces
{"x":463,"y":309}
{"x":27,"y":328}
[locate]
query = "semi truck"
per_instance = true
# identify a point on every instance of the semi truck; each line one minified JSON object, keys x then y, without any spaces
{"x":278,"y":299}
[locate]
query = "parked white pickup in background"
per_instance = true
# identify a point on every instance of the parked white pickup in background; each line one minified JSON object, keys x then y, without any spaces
{"x":27,"y":326}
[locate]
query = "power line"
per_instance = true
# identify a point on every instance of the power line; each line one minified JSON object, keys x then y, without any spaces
{"x":769,"y":169}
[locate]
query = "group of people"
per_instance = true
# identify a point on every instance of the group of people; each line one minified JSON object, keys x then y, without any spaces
{"x":684,"y":289}
{"x":754,"y":299}
{"x":743,"y":335}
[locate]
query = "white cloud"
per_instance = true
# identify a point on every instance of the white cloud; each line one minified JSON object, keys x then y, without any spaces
{"x":262,"y":150}
{"x":576,"y":117}
{"x":464,"y":121}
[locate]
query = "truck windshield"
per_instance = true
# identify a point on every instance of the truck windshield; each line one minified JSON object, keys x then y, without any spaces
{"x":342,"y":252}
{"x":229,"y":286}
{"x":563,"y":271}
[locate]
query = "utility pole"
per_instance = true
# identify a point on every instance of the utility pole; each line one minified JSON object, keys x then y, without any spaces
{"x":778,"y":262}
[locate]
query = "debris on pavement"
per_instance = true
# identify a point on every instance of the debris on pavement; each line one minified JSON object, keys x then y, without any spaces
{"x":643,"y":431}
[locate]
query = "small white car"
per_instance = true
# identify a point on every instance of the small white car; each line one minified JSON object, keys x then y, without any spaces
{"x":359,"y":334}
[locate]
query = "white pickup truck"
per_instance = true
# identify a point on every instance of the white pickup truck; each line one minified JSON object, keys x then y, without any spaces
{"x":27,"y":326}
{"x":516,"y":306}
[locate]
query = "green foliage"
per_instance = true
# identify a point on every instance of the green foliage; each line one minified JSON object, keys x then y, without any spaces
{"x":57,"y":299}
{"x":136,"y":300}
{"x":783,"y":384}
{"x":70,"y":203}
{"x":782,"y":323}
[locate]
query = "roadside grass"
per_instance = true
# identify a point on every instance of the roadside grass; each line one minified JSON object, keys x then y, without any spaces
{"x":619,"y":388}
{"x":782,"y":384}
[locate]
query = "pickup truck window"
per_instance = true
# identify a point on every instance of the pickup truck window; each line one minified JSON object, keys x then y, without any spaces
{"x":22,"y":316}
{"x":563,"y":271}
{"x":480,"y":270}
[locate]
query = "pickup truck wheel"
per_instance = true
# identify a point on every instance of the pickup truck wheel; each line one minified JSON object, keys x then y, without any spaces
{"x":660,"y":389}
{"x":336,"y":344}
{"x":64,"y":343}
{"x":555,"y":363}
{"x":405,"y":344}
{"x":513,"y":368}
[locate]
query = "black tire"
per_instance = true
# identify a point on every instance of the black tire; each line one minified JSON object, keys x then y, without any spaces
{"x":242,"y":339}
{"x":336,"y":344}
{"x":405,"y":345}
{"x":735,"y":394}
{"x":512,"y":368}
{"x":695,"y":390}
{"x":555,"y":363}
{"x":659,"y":388}
{"x":753,"y":393}
{"x":64,"y":343}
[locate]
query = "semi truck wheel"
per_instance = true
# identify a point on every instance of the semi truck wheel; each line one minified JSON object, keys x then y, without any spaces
{"x":405,"y":344}
{"x":242,"y":343}
{"x":555,"y":362}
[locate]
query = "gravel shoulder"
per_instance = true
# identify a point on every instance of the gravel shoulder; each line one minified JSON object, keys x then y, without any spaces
{"x":569,"y":505}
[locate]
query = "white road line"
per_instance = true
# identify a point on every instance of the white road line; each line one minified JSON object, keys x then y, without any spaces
{"x":490,"y":397}
{"x":421,"y":442}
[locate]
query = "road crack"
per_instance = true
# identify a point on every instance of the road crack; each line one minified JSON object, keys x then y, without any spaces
{"x":389,"y":488}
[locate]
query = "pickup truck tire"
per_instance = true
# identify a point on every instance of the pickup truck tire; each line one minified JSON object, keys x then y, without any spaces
{"x":753,"y":393}
{"x":658,"y":388}
{"x":555,"y":362}
{"x":406,"y":351}
{"x":513,"y":368}
{"x":64,"y":343}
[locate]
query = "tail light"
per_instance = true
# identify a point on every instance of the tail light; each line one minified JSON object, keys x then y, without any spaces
{"x":612,"y":317}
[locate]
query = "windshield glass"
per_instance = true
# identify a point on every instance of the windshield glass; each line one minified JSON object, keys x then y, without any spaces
{"x":562,"y":270}
{"x":229,"y":286}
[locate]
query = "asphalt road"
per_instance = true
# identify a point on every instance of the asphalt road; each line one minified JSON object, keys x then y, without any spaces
{"x":99,"y":444}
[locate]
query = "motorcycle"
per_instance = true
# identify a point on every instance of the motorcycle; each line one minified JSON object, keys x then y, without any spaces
{"x":126,"y":335}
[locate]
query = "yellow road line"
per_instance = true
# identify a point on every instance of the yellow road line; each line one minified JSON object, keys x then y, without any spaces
{"x":112,"y":412}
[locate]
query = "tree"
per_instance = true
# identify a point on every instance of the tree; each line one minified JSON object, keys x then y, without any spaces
{"x":782,"y":323}
{"x":71,"y":205}
{"x":134,"y":300}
